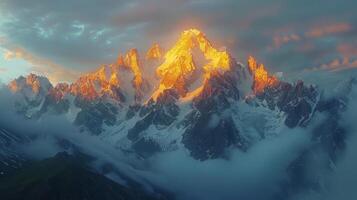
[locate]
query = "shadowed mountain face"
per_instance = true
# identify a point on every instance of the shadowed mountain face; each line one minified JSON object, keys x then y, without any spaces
{"x":65,"y":177}
{"x":194,"y":98}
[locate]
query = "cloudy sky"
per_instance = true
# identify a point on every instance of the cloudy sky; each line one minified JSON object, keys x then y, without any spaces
{"x":62,"y":39}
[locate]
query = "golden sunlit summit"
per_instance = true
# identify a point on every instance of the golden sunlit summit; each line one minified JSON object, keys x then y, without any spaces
{"x":185,"y":67}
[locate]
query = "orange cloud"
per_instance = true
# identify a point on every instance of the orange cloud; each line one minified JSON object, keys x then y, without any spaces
{"x":347,"y":59}
{"x":8,"y":55}
{"x":53,"y":71}
{"x":347,"y":49}
{"x":340,"y":64}
{"x":280,"y":40}
{"x":337,"y":64}
{"x":328,"y":30}
{"x":316,"y":32}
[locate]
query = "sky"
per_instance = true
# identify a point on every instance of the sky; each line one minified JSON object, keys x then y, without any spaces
{"x":63,"y":39}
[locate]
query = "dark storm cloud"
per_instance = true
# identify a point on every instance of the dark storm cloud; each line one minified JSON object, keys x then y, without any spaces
{"x":287,"y":35}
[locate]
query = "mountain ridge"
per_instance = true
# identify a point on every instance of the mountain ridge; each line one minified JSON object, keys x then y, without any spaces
{"x":196,"y":85}
{"x":178,"y":69}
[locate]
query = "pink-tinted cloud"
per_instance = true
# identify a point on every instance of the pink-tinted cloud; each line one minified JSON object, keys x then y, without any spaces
{"x":279,"y":40}
{"x":329,"y":29}
{"x":349,"y":55}
{"x":280,"y":37}
{"x":346,"y":59}
{"x":337,"y":64}
{"x":347,"y":50}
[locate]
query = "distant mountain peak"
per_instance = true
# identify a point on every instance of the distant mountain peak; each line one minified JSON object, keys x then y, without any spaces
{"x":261,"y":77}
{"x":193,"y":57}
{"x":59,"y":92}
{"x":94,"y":85}
{"x":132,"y":60}
{"x":110,"y":80}
{"x":33,"y":82}
{"x":155,"y":52}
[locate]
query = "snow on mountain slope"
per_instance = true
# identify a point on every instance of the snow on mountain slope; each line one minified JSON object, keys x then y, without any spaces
{"x":201,"y":100}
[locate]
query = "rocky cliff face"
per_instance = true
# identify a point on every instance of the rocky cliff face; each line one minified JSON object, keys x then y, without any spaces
{"x":122,"y":81}
{"x":31,"y":92}
{"x":261,"y":78}
{"x":181,"y":69}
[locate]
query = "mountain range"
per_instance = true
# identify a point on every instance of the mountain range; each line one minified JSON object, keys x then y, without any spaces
{"x":193,"y":97}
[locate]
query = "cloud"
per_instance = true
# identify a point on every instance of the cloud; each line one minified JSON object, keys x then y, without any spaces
{"x":280,"y":40}
{"x":8,"y":55}
{"x":345,"y":59}
{"x":262,"y":168}
{"x":54,"y":72}
{"x":329,"y":29}
{"x":347,"y":49}
{"x":344,"y":179}
{"x":340,"y":182}
{"x":328,"y":47}
{"x":282,"y":37}
{"x":79,"y":40}
{"x":2,"y":70}
{"x":287,"y":35}
{"x":338,"y":64}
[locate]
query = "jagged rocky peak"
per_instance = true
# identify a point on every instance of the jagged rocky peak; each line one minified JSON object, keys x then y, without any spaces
{"x":120,"y":61}
{"x":119,"y":81}
{"x":60,"y":91}
{"x":31,"y":91}
{"x":34,"y":83}
{"x":185,"y":67}
{"x":140,"y":84}
{"x":190,"y":60}
{"x":261,"y":77}
{"x":155,"y":52}
{"x":102,"y":82}
{"x":132,"y":62}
